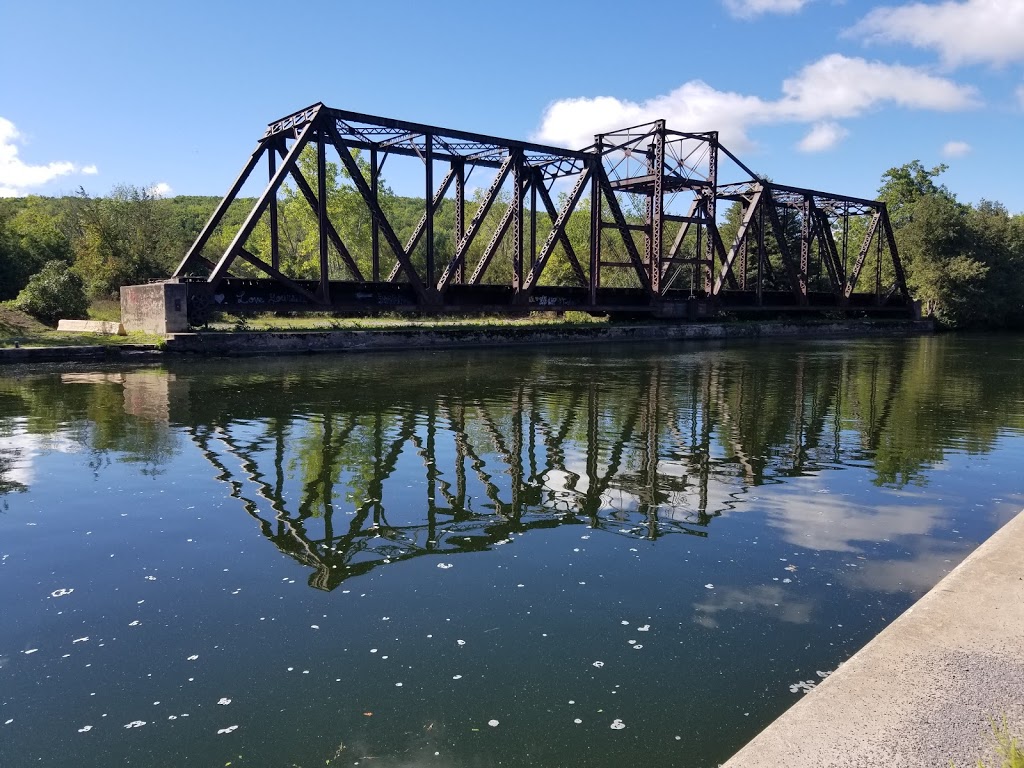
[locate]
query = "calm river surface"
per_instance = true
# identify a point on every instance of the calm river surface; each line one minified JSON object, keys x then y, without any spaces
{"x":596,"y":556}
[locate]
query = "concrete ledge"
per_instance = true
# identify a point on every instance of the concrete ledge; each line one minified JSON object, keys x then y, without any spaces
{"x":923,"y":692}
{"x":306,"y":342}
{"x":92,"y":326}
{"x":84,"y":353}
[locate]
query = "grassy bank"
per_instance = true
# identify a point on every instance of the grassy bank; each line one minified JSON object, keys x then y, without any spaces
{"x":19,"y":329}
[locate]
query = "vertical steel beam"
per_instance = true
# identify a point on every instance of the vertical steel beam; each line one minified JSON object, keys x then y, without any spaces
{"x":533,"y":221}
{"x":517,"y":222}
{"x":711,"y":213}
{"x":321,"y":187}
{"x":656,"y":219}
{"x":275,"y":243}
{"x":428,"y":200}
{"x":806,"y":234}
{"x":595,"y":221}
{"x":374,"y":226}
{"x":460,"y":215}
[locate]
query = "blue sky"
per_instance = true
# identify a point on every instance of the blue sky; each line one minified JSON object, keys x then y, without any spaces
{"x":818,"y":93}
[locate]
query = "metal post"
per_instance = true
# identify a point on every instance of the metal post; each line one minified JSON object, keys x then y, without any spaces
{"x":595,"y":223}
{"x":460,"y":216}
{"x":321,"y":183}
{"x":374,"y":226}
{"x":275,"y":247}
{"x":517,"y":222}
{"x":428,"y":197}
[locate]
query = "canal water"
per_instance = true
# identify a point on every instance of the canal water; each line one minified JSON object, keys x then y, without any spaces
{"x":587,"y":556}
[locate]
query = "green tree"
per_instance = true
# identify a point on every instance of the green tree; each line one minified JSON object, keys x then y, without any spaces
{"x":54,"y":293}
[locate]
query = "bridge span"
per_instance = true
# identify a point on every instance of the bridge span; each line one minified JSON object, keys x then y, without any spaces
{"x":635,"y":224}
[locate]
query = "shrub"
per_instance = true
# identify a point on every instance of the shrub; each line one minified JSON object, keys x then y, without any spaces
{"x":54,"y":293}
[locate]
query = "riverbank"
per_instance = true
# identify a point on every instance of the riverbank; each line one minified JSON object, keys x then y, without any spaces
{"x":247,"y":343}
{"x":927,"y":689}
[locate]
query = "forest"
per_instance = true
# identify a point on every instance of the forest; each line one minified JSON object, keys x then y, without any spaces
{"x":964,"y":262}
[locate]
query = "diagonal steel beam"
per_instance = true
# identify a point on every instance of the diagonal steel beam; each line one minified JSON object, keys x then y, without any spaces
{"x":492,"y":246}
{"x":557,"y":234}
{"x":553,"y":212}
{"x":897,"y":264}
{"x":797,"y":280}
{"x":421,"y":227}
{"x":474,"y":225}
{"x":832,"y":263}
{"x":741,"y":237}
{"x":220,"y":271}
{"x":375,"y":210}
{"x":620,"y":223}
{"x":332,"y":233}
{"x":218,"y":213}
{"x":865,"y":248}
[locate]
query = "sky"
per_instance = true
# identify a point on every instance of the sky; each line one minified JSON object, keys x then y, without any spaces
{"x":826,"y":94}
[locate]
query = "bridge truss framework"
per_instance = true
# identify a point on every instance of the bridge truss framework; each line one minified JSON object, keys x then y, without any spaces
{"x":651,"y":198}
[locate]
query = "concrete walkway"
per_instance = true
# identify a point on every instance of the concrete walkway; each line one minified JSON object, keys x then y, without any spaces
{"x":921,"y":693}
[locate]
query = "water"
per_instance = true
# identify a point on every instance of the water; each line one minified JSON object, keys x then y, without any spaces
{"x":591,"y":556}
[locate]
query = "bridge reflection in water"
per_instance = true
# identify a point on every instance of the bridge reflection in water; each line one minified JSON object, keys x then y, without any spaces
{"x":352,"y":471}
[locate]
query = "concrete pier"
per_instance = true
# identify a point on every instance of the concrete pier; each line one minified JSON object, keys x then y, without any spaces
{"x":925,"y":690}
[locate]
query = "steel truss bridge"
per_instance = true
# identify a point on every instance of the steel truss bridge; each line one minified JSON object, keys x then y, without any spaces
{"x":646,"y":203}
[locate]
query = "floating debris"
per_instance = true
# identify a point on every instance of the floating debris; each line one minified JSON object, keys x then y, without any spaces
{"x":709,"y":586}
{"x":193,"y":657}
{"x":598,"y":664}
{"x":644,"y":628}
{"x":577,"y":721}
{"x":492,"y":723}
{"x":804,"y":686}
{"x":444,"y":566}
{"x":30,"y":650}
{"x":62,"y":592}
{"x":135,"y":724}
{"x":229,"y":729}
{"x":617,"y":725}
{"x":224,"y":702}
{"x":85,"y":729}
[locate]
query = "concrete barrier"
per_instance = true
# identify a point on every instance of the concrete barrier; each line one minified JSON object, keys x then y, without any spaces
{"x":91,"y":326}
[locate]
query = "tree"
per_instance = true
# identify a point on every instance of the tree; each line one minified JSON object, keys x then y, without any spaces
{"x":54,"y":293}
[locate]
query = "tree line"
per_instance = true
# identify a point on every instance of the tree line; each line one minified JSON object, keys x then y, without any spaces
{"x":964,"y":262}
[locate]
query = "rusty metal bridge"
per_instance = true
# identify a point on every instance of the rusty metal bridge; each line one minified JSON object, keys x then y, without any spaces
{"x":636,"y":224}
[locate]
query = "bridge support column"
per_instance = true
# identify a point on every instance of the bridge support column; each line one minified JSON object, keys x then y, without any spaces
{"x":160,"y":308}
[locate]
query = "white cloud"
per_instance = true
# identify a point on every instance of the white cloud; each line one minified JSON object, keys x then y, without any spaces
{"x":17,"y":176}
{"x":822,"y":136}
{"x":1020,"y":96}
{"x":956,"y":149}
{"x":90,"y":170}
{"x":748,"y":9}
{"x":969,"y":31}
{"x":832,"y":88}
{"x":161,"y":189}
